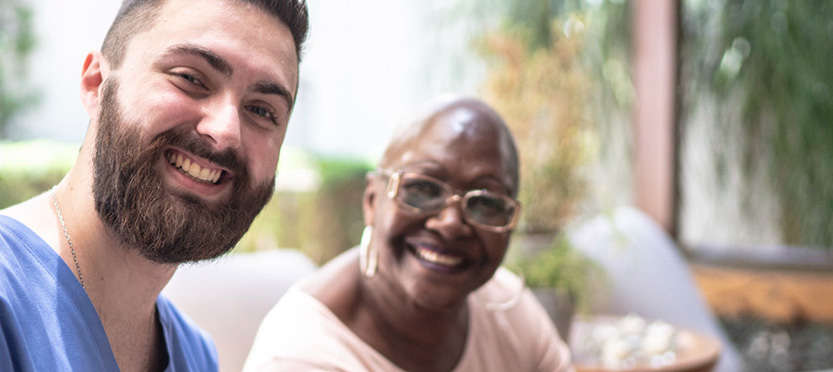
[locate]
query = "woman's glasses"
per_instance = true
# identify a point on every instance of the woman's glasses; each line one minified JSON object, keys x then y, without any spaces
{"x":421,"y":194}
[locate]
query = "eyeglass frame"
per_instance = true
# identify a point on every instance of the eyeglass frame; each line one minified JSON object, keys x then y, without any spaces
{"x":394,"y":178}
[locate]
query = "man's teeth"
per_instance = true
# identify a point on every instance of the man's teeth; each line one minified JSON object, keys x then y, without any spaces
{"x":193,"y":169}
{"x":437,"y":258}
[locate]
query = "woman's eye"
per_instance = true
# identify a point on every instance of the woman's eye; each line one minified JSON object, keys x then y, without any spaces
{"x":425,"y":188}
{"x":490,"y":204}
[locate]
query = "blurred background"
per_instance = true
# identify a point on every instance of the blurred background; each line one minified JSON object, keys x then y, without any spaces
{"x":713,"y":117}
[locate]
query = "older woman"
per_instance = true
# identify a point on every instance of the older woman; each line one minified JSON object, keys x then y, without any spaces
{"x":424,"y":291}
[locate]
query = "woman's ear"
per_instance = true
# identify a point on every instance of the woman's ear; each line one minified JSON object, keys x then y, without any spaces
{"x":93,"y":74}
{"x":369,"y":199}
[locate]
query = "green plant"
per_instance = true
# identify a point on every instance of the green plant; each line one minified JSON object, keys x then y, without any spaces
{"x":556,"y":76}
{"x":558,"y":71}
{"x":543,"y":91}
{"x":760,"y":70}
{"x":336,"y":219}
{"x":560,"y":266}
{"x":29,"y":168}
{"x":321,"y":220}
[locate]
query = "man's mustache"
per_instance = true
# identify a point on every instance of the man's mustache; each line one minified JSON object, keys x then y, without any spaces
{"x":191,"y":142}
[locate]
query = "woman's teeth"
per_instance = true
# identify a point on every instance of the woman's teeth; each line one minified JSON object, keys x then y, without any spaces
{"x":437,"y":258}
{"x":193,"y":169}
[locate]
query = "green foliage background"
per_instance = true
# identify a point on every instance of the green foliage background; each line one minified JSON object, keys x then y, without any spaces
{"x":558,"y":74}
{"x":561,"y":266}
{"x":31,"y":167}
{"x":773,"y":57}
{"x":17,"y":40}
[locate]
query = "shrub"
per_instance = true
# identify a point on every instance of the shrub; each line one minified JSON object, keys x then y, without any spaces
{"x":32,"y":167}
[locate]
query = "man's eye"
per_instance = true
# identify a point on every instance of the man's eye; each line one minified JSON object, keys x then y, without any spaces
{"x":264,"y":112}
{"x":190,"y":78}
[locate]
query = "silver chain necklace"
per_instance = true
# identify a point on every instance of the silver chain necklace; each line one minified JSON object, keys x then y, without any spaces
{"x":69,"y":241}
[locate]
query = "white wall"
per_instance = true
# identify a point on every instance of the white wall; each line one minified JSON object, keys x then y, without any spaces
{"x":367,"y":65}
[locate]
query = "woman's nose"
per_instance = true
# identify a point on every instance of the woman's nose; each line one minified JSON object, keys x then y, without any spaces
{"x":450,"y":222}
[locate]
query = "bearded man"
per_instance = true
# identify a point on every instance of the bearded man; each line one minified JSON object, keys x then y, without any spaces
{"x":189,"y":103}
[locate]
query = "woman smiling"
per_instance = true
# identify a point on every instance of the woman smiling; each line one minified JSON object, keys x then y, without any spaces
{"x":424,"y":291}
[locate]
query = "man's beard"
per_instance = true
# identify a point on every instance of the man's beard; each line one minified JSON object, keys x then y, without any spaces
{"x":161,"y":224}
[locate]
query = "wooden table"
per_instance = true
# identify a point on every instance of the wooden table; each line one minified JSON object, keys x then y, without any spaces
{"x":696,"y":352}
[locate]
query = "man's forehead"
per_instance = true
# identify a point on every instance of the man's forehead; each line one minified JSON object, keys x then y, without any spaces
{"x":188,"y":18}
{"x":221,"y":32}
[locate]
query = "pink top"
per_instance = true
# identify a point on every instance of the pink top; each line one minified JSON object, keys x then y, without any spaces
{"x":507,"y":333}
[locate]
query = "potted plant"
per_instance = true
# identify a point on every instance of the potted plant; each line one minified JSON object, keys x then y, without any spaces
{"x":540,"y":83}
{"x":561,"y":278}
{"x":543,"y":91}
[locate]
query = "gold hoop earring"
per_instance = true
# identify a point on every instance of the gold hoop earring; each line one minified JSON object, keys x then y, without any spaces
{"x":368,"y":259}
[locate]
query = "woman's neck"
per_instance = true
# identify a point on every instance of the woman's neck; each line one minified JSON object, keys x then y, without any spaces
{"x":412,"y":337}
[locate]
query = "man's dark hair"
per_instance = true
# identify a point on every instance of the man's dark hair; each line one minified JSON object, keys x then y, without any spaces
{"x":136,"y":16}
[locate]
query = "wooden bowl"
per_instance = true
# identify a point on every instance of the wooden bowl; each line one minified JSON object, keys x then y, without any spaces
{"x":696,"y":352}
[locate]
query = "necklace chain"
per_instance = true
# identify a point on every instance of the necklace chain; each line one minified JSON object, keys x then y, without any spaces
{"x":69,"y":241}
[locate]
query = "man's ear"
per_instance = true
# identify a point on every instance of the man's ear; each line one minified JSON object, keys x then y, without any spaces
{"x":369,"y":199}
{"x":93,"y":74}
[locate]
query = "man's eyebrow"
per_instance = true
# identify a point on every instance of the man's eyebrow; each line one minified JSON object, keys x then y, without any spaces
{"x":216,"y":62}
{"x":267,"y":87}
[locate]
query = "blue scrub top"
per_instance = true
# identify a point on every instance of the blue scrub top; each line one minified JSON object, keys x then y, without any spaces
{"x":47,"y":322}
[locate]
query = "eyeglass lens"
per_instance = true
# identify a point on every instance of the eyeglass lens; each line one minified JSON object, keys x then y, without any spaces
{"x":480,"y":206}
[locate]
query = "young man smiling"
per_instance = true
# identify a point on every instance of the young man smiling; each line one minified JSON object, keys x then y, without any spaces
{"x":189,"y":103}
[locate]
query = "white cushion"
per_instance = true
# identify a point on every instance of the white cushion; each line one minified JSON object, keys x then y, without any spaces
{"x":228,"y":297}
{"x":648,"y":276}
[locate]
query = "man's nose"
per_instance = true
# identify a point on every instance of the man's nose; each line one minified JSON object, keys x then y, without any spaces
{"x":222,"y":124}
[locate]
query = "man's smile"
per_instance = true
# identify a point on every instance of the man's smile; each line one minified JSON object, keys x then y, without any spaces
{"x":189,"y":167}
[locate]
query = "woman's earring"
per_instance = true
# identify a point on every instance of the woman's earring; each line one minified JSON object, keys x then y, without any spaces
{"x":367,"y":257}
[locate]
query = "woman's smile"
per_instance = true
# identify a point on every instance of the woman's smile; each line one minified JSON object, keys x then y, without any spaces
{"x":436,"y":258}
